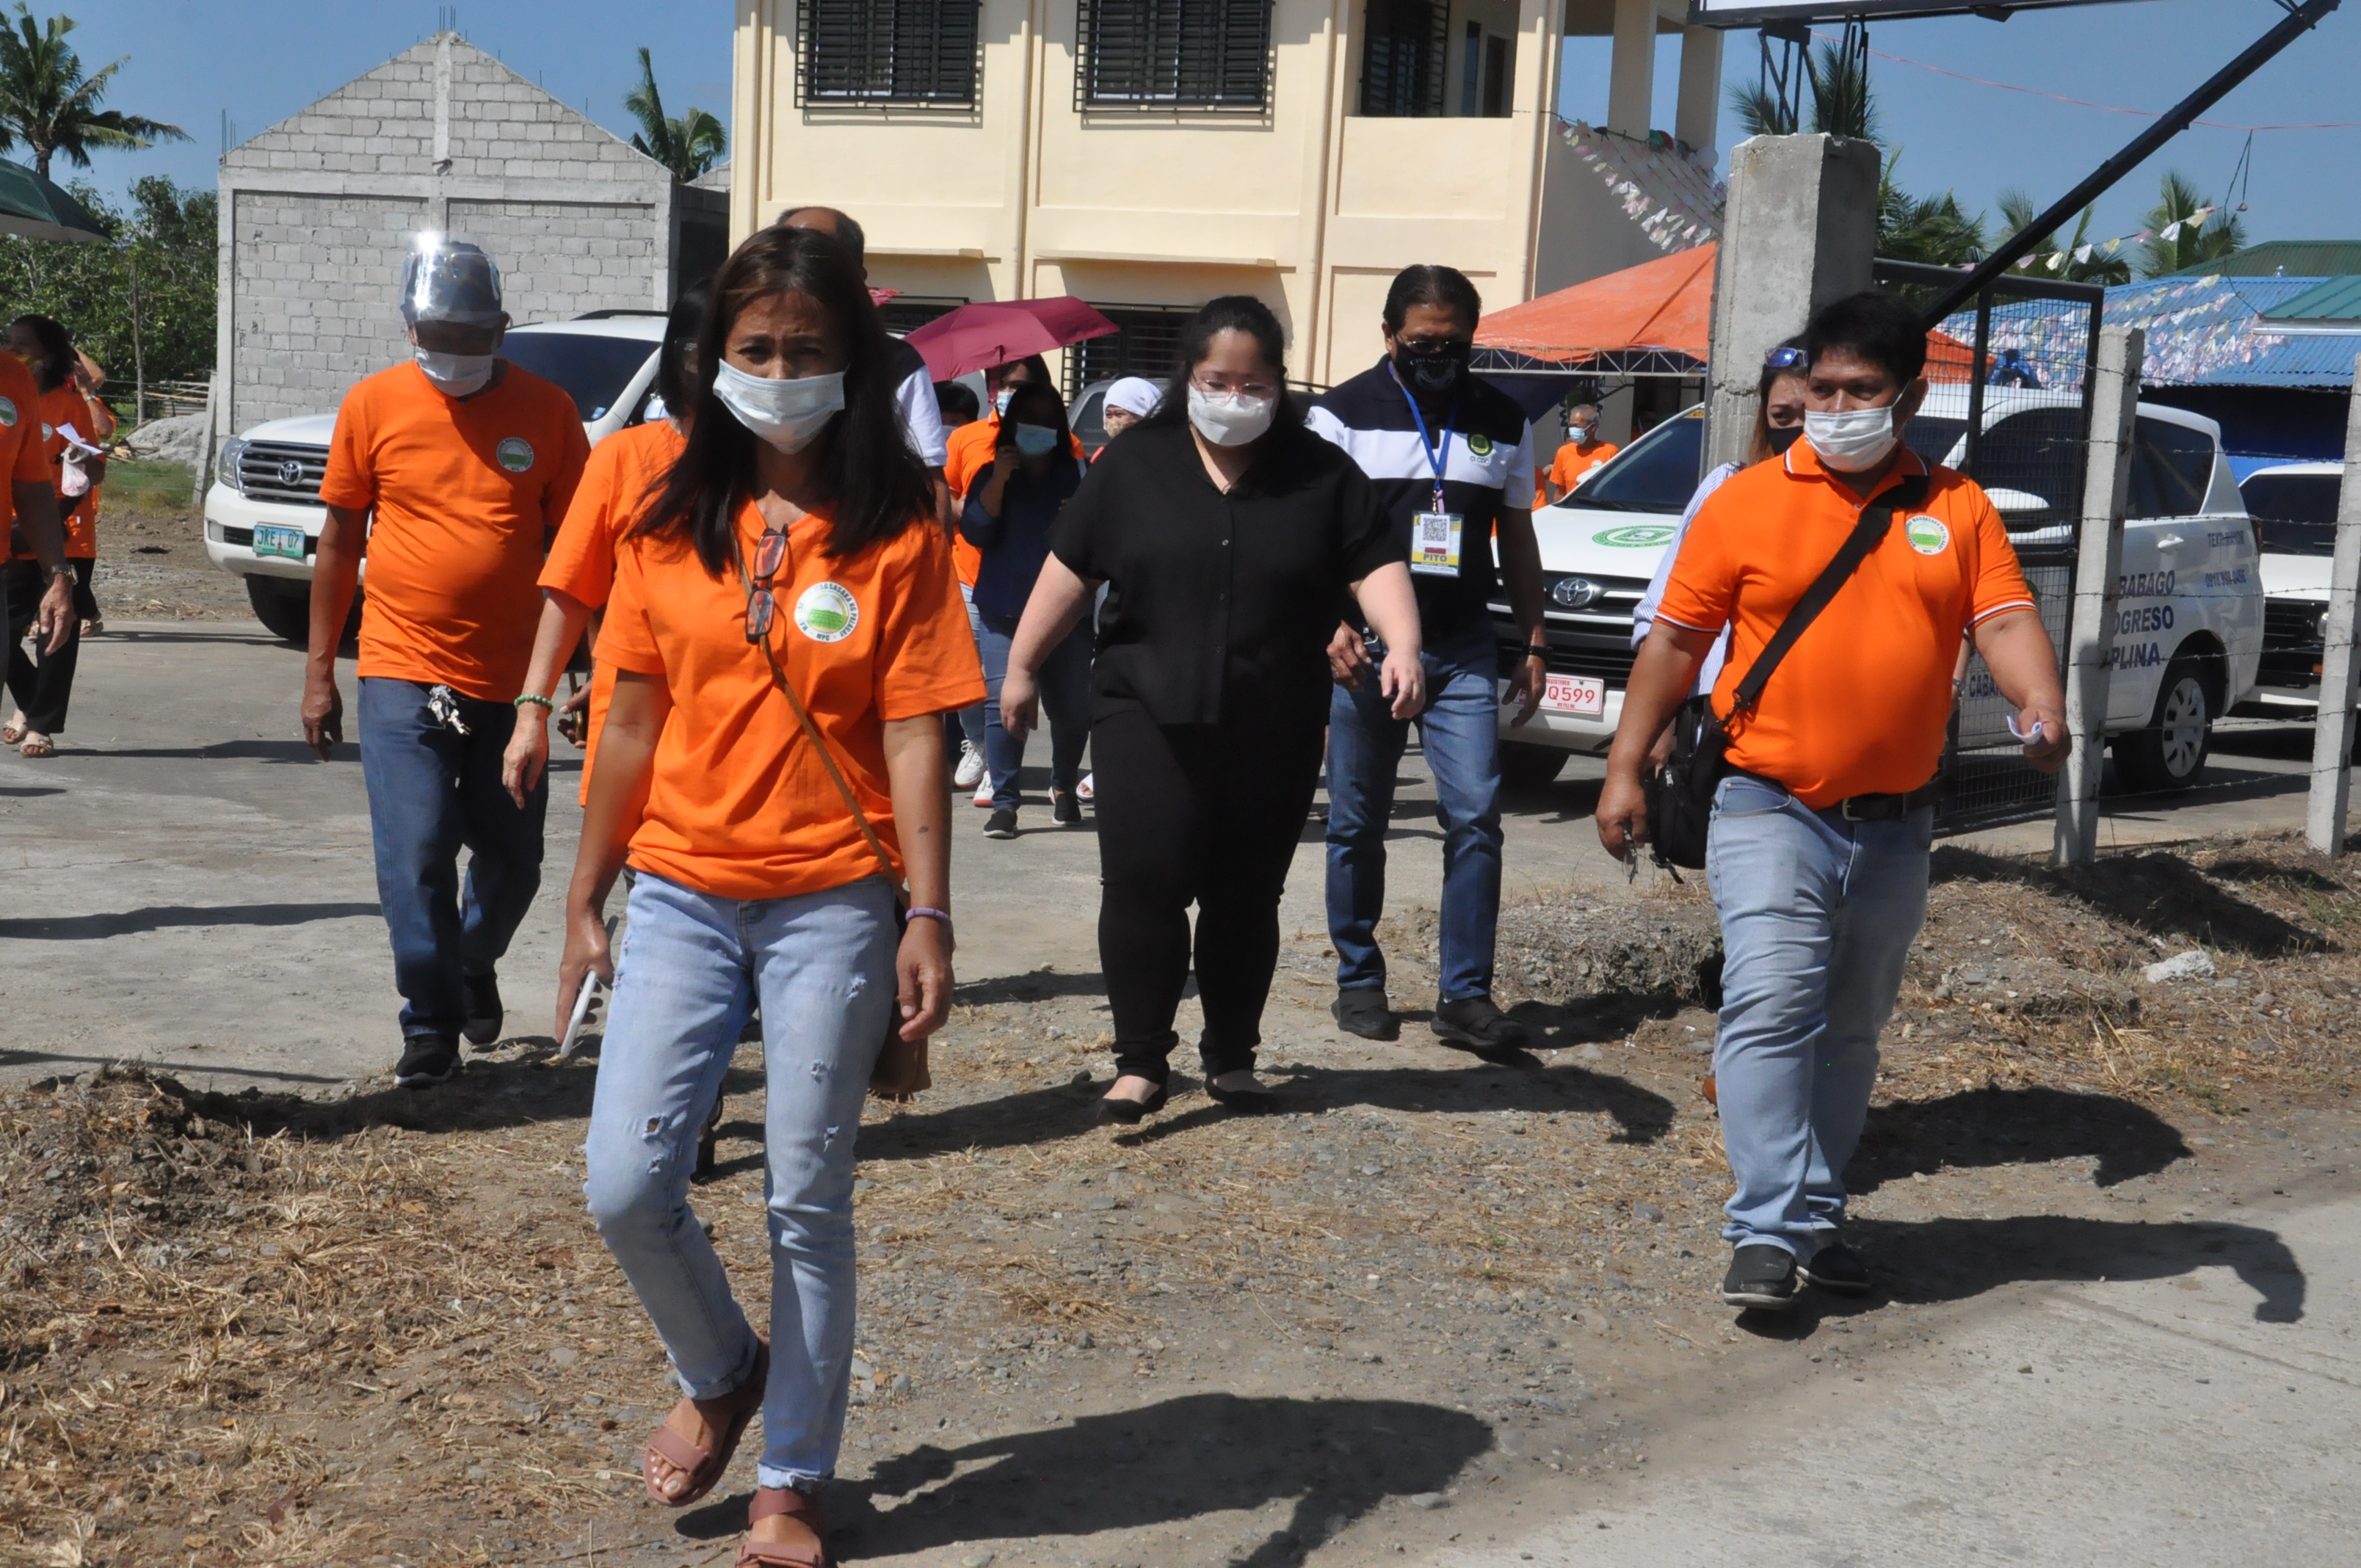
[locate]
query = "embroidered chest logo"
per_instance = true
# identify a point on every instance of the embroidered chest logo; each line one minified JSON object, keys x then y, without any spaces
{"x":826,"y":612}
{"x":8,"y":413}
{"x":1480,"y":445}
{"x":1927,"y":535}
{"x":515,"y":455}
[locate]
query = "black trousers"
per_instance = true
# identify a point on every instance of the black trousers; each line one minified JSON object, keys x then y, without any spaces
{"x":1208,"y":815}
{"x":41,"y":685}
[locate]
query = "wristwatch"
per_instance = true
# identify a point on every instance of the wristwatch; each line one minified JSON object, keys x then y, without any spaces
{"x":1537,"y":651}
{"x":61,"y":571}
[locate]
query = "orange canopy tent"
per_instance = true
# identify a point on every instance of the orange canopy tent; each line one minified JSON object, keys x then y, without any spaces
{"x":1654,"y":319}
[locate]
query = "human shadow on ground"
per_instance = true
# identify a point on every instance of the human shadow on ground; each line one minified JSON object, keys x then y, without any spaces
{"x":1979,"y":1128}
{"x":219,"y":752}
{"x":28,"y":791}
{"x":1336,"y":1461}
{"x":1035,"y":985}
{"x":1957,"y":1259}
{"x":2159,"y":893}
{"x":134,"y":922}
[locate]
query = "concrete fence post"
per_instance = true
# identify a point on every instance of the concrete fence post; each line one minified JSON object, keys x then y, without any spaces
{"x":2098,"y":568}
{"x":2331,"y":735}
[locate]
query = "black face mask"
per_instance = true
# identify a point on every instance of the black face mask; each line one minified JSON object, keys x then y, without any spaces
{"x":1434,"y":371}
{"x":1782,"y":439}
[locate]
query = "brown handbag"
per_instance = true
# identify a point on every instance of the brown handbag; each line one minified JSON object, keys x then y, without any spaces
{"x":901,"y":1070}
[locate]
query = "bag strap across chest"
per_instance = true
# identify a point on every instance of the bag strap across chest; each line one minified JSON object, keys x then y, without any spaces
{"x":1876,"y":522}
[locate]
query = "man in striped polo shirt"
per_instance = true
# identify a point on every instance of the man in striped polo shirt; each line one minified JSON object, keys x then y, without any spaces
{"x":1452,"y":460}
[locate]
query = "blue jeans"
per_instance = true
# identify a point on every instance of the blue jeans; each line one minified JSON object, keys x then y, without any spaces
{"x":971,"y":718}
{"x":1818,"y":914}
{"x":691,"y":968}
{"x":431,"y":791}
{"x":1459,"y":731}
{"x":1065,"y":700}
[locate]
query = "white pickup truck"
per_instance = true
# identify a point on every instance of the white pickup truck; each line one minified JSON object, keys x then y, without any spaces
{"x":2189,"y":628}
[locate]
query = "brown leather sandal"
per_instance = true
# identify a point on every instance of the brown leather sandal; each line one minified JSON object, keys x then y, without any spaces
{"x":774,"y":1502}
{"x":703,"y":1467}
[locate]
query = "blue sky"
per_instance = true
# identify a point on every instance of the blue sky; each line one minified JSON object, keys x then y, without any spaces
{"x":191,"y":61}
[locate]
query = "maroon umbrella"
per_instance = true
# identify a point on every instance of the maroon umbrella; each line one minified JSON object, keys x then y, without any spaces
{"x":996,"y":332}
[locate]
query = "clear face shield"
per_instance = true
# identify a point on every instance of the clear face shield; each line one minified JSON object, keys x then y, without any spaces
{"x":451,"y":302}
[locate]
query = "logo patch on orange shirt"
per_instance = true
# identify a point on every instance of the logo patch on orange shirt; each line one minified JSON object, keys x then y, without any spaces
{"x":8,"y":413}
{"x":826,"y":612}
{"x":515,"y":455}
{"x":1929,"y":535}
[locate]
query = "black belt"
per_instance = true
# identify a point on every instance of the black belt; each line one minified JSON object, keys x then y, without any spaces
{"x":1867,"y":808}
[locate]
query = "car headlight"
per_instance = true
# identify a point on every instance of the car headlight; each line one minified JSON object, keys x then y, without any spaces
{"x":230,"y":472}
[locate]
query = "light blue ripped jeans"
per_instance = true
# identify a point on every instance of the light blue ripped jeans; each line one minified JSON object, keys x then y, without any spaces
{"x":690,"y":968}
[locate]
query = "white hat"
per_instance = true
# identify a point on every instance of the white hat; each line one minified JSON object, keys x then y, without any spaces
{"x":1135,"y":394}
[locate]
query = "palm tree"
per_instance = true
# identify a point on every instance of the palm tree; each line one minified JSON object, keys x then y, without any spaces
{"x":1935,"y":230}
{"x":688,"y":146}
{"x":2018,"y":212}
{"x":47,"y":103}
{"x":2194,"y":241}
{"x":1842,"y":103}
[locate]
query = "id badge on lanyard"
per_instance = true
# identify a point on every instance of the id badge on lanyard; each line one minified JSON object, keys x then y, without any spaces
{"x":1435,"y":535}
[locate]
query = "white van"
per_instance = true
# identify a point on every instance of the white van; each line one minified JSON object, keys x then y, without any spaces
{"x":2188,"y":626}
{"x":2294,"y":509}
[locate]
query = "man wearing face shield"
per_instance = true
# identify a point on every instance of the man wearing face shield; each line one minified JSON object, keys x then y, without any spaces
{"x":1817,"y":854}
{"x":1452,"y":459}
{"x":456,"y":468}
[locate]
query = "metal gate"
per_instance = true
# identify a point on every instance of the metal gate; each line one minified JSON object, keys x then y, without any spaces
{"x":2009,"y":405}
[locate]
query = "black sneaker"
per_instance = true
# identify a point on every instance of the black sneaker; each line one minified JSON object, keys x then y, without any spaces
{"x":1361,"y":1011}
{"x":1761,"y":1275}
{"x":1478,"y":1024}
{"x":427,"y":1059}
{"x":1065,"y":808}
{"x":484,"y":1011}
{"x":1000,"y":824}
{"x":1836,"y":1269}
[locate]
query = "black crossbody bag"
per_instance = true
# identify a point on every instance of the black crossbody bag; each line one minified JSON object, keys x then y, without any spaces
{"x":1680,"y":795}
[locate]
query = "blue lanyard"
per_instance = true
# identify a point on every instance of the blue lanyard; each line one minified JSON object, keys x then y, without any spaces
{"x":1437,"y":456}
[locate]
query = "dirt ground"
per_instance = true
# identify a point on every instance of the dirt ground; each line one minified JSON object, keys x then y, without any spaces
{"x":1438,"y":1299}
{"x":151,"y":550}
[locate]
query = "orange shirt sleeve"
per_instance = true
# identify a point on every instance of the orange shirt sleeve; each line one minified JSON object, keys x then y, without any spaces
{"x":350,"y":482}
{"x":581,"y":561}
{"x":1703,"y":593}
{"x":926,"y":653}
{"x":2000,"y":582}
{"x":625,"y":638}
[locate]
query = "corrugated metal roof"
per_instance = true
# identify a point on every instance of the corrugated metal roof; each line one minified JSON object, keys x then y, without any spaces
{"x":2292,"y":258}
{"x":2339,"y":299}
{"x":2213,"y":331}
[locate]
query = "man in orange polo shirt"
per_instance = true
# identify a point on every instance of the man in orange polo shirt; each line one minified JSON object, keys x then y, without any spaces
{"x":456,"y":470}
{"x":1582,"y":452}
{"x":1818,"y":846}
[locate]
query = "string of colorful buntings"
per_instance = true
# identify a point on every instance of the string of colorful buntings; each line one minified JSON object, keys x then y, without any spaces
{"x":2055,"y":260}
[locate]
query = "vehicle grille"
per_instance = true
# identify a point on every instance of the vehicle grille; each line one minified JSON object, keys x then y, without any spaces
{"x":2293,"y":644}
{"x":225,"y":534}
{"x":260,"y":471}
{"x":1594,"y":640}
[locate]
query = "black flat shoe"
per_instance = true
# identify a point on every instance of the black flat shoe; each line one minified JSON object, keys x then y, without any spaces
{"x":1131,"y":1112}
{"x":1245,"y":1101}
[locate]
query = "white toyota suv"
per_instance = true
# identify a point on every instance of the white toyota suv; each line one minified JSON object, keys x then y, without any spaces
{"x":263,"y":514}
{"x":2189,"y":627}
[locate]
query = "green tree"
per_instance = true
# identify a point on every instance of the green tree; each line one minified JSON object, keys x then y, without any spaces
{"x":47,"y":102}
{"x":2017,"y":213}
{"x":688,"y":146}
{"x":141,"y":304}
{"x":1935,"y":230}
{"x":2194,"y":241}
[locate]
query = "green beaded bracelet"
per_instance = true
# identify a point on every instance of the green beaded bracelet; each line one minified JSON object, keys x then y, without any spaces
{"x":529,"y":697}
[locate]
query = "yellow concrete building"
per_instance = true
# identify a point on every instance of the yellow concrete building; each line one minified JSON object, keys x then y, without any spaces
{"x":1147,"y":155}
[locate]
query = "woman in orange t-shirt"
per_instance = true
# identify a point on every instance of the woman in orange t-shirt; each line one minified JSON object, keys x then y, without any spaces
{"x":42,"y":686}
{"x":787,"y":634}
{"x":624,"y":470}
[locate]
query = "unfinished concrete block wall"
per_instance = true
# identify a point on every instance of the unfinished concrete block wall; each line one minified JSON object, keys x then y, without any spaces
{"x":317,"y":211}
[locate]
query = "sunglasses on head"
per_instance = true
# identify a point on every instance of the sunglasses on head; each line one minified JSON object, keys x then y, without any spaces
{"x":769,"y":555}
{"x":1786,"y":360}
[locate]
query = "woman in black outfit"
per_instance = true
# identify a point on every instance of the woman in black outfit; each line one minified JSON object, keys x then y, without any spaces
{"x":1228,"y":536}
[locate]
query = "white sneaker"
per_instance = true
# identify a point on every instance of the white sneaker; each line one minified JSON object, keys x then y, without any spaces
{"x":983,"y":800}
{"x":970,"y":766}
{"x":1084,"y":790}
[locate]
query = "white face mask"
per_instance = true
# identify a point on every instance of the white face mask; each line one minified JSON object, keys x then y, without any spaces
{"x":1229,"y":419}
{"x":1852,"y":442}
{"x":456,"y":375}
{"x":787,"y":413}
{"x":1002,"y":399}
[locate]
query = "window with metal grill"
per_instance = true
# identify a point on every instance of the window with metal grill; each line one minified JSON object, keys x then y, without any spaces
{"x":1145,"y":342}
{"x":1403,"y":46}
{"x":920,"y":52}
{"x":906,"y":313}
{"x":1166,"y":54}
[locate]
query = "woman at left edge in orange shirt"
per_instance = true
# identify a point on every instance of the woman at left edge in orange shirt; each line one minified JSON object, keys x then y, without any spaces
{"x":623,"y":471}
{"x":42,"y":686}
{"x":794,"y":546}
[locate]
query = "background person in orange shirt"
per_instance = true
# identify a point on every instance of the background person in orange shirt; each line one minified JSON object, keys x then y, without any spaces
{"x":622,"y":472}
{"x":455,"y":469}
{"x":1581,"y":453}
{"x":1818,"y":852}
{"x":792,"y":558}
{"x":42,"y":685}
